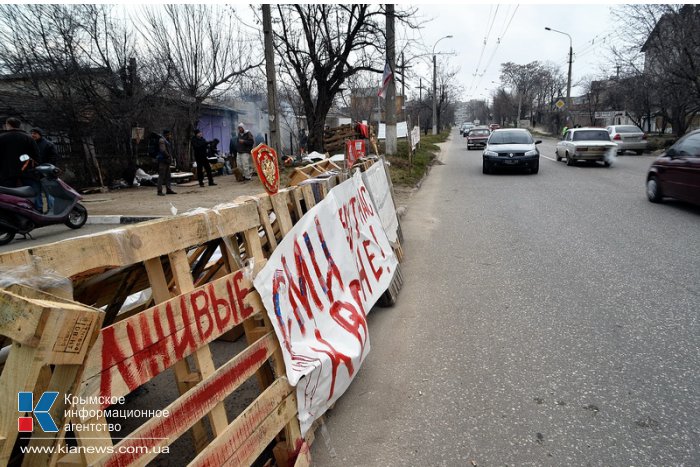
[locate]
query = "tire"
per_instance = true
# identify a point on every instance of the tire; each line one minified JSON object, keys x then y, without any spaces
{"x":607,"y":164}
{"x":639,"y":152}
{"x":535,"y":169}
{"x":569,"y":160}
{"x":485,"y":168}
{"x":654,"y":190}
{"x":559,"y":158}
{"x":6,"y":235}
{"x":77,"y":217}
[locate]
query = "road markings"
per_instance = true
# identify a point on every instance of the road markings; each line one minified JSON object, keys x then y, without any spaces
{"x":551,"y":159}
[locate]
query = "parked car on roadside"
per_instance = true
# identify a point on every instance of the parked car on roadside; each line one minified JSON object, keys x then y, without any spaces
{"x":477,"y":137}
{"x":586,"y":144}
{"x":494,"y":126}
{"x":628,"y":138}
{"x":511,"y":148}
{"x":676,"y":172}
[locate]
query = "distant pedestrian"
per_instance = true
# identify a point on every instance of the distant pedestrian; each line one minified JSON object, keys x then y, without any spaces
{"x":47,"y":155}
{"x":165,"y":158}
{"x":14,"y":143}
{"x":244,"y":144}
{"x":303,"y":142}
{"x":200,"y":146}
{"x":564,"y":130}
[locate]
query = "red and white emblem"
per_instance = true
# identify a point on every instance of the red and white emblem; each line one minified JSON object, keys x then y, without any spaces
{"x":267,"y":166}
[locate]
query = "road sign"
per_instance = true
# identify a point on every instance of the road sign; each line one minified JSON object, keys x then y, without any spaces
{"x":560,"y":104}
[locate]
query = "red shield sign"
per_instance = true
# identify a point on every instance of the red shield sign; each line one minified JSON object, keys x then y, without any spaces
{"x":267,"y":167}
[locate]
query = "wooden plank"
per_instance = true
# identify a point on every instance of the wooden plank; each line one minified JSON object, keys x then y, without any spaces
{"x":309,"y":198}
{"x":202,"y":356}
{"x":252,"y":431}
{"x":304,"y":456}
{"x":138,"y":242}
{"x":264,"y":214}
{"x":131,"y":352}
{"x":280,"y":206}
{"x":190,"y":407}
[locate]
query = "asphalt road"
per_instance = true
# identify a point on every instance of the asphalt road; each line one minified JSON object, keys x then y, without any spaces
{"x":546,"y":319}
{"x":53,"y":233}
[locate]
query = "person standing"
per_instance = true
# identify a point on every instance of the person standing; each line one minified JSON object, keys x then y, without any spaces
{"x":13,"y":144}
{"x":164,"y":158}
{"x":47,"y":155}
{"x":200,"y":146}
{"x":244,"y":145}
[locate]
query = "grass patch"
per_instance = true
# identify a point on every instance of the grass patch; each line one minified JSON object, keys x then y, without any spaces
{"x":401,"y":173}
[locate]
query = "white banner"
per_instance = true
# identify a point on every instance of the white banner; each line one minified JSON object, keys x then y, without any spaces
{"x":375,"y":178}
{"x":318,"y":286}
{"x":415,"y":137}
{"x":401,"y":130}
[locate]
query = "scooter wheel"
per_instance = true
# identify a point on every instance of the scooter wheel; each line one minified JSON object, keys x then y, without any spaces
{"x":77,"y":217}
{"x":6,"y":236}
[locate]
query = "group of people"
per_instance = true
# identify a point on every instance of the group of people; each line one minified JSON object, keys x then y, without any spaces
{"x":15,"y":142}
{"x":240,"y":148}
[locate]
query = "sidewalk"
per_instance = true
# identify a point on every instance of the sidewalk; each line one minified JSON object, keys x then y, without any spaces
{"x":139,"y":203}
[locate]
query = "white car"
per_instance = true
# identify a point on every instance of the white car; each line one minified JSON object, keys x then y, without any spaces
{"x":586,"y":144}
{"x":628,"y":138}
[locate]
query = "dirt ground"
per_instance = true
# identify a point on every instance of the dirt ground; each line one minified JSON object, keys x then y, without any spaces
{"x":143,"y":201}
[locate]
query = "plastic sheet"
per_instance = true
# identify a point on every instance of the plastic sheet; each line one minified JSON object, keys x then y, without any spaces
{"x":32,"y":275}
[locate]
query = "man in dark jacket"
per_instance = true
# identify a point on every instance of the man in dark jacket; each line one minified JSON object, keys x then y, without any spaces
{"x":47,"y":150}
{"x":200,"y":147}
{"x":13,"y":144}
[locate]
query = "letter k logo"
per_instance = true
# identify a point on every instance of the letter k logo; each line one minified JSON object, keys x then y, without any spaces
{"x":25,"y":403}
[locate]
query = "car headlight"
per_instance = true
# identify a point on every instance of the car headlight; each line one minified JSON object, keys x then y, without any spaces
{"x":490,"y":154}
{"x":532,"y":152}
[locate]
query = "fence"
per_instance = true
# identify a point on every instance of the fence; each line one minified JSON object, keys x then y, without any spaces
{"x":192,"y":275}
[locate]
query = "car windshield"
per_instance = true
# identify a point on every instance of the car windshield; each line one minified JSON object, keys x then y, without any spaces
{"x":479,"y":133}
{"x":591,"y":135}
{"x":510,"y":137}
{"x":628,"y":129}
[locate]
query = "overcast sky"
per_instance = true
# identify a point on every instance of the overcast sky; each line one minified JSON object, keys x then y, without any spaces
{"x":522,"y":39}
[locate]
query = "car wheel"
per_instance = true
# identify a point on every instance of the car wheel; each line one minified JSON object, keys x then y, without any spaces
{"x":606,"y":164}
{"x":535,"y":168}
{"x":654,"y":190}
{"x":639,"y":152}
{"x":77,"y":217}
{"x":569,"y":160}
{"x":485,"y":168}
{"x":559,"y":158}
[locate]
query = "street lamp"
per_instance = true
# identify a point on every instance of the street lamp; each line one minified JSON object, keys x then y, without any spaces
{"x":435,"y":85}
{"x":568,"y":82}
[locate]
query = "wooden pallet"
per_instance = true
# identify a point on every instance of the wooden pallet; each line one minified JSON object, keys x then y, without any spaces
{"x":194,"y":269}
{"x":312,"y":171}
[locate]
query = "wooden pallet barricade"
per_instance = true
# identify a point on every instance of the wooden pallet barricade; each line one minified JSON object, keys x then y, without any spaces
{"x":194,"y":271}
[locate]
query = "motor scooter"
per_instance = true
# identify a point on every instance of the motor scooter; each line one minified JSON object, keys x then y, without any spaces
{"x":18,"y":215}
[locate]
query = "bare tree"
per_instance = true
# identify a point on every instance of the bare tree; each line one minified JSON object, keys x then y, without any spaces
{"x":200,"y":50}
{"x":523,"y":79}
{"x":77,"y":69}
{"x":320,"y":47}
{"x":663,"y":43}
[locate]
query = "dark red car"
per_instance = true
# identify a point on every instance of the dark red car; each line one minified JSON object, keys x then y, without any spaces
{"x":477,"y":137}
{"x":676,"y":172}
{"x":494,"y":126}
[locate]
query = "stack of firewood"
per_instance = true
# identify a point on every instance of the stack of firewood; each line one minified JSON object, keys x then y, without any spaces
{"x":334,"y":138}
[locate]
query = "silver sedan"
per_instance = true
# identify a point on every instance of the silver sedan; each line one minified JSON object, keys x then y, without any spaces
{"x":586,"y":144}
{"x":628,"y":138}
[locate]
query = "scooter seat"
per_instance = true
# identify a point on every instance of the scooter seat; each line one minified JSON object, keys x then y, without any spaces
{"x":22,"y":192}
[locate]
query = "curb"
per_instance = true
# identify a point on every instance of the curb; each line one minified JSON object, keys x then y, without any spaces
{"x":118,"y":219}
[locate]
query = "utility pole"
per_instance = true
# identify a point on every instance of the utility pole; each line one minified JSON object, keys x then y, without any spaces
{"x":272,"y":107}
{"x":390,"y":101}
